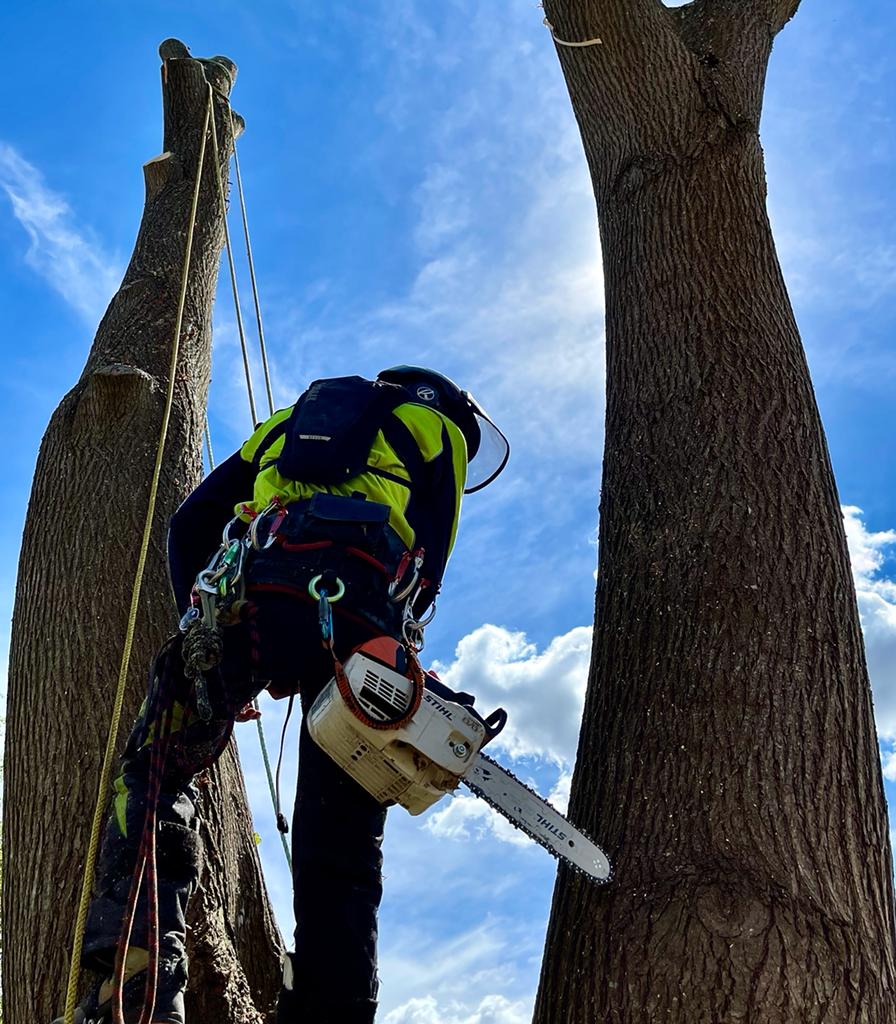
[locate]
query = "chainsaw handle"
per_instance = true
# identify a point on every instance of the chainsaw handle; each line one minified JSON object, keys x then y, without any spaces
{"x":495,"y":723}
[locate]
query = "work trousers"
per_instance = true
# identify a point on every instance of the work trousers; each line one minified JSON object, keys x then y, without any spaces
{"x":336,"y":831}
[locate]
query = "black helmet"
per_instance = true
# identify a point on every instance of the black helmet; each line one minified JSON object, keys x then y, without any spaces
{"x":487,"y":448}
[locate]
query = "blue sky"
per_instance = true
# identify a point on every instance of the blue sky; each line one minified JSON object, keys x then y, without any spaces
{"x":418,"y":193}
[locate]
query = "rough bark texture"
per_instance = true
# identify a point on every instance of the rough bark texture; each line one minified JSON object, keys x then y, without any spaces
{"x":728,"y":757}
{"x":76,"y":572}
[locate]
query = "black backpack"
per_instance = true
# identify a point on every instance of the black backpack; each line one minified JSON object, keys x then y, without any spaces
{"x":329,"y":433}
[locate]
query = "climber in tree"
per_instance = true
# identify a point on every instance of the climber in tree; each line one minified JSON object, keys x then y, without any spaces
{"x":390,"y":460}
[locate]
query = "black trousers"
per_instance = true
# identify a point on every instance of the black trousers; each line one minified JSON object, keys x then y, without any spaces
{"x":336,"y":833}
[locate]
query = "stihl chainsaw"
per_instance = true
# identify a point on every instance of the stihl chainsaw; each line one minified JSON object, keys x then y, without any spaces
{"x":411,"y":741}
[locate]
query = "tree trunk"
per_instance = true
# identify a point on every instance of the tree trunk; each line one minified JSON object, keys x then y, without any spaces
{"x":75,"y":577}
{"x":728,"y":756}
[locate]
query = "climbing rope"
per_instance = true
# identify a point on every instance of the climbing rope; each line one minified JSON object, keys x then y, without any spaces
{"x":262,"y":742}
{"x":118,"y":704}
{"x":208,"y":446}
{"x":251,"y":262}
{"x":233,"y":284}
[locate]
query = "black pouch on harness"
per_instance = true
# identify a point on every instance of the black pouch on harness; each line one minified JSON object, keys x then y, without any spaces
{"x":350,"y":536}
{"x":343,"y":522}
{"x":332,"y":427}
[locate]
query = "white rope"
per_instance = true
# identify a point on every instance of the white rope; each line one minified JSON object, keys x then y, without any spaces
{"x":596,"y":41}
{"x":260,"y":729}
{"x":236,"y":295}
{"x":208,"y":445}
{"x":251,"y":261}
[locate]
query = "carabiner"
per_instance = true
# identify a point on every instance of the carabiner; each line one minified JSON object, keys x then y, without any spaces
{"x":276,"y":506}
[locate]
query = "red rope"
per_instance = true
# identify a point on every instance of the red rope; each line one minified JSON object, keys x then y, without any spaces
{"x":147,"y":865}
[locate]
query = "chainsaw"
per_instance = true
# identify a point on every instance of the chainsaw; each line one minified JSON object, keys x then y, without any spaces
{"x":435,"y":745}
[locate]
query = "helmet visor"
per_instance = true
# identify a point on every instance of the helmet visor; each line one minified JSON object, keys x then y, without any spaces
{"x":493,"y":452}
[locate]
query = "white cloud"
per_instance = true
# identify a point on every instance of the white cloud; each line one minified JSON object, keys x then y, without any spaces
{"x":876,"y":596}
{"x":866,"y":549}
{"x":492,"y":1009}
{"x":559,"y":795}
{"x":546,"y":688}
{"x":71,"y":262}
{"x":465,"y":817}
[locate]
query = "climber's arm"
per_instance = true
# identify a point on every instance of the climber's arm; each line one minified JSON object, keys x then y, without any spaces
{"x":195,"y":530}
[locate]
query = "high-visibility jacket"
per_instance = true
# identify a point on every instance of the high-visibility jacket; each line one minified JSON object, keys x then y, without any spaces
{"x":423,"y":490}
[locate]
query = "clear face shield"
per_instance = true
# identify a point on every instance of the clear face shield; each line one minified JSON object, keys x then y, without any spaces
{"x":493,"y":452}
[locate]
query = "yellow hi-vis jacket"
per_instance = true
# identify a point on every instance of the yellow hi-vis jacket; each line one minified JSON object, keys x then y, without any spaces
{"x":424,"y":513}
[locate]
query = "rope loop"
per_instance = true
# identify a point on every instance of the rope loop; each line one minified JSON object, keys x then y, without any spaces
{"x":595,"y":41}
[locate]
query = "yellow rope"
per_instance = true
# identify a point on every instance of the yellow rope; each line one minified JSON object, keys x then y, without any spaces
{"x":106,"y":772}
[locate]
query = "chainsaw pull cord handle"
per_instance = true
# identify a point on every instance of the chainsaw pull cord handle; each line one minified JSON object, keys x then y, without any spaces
{"x":318,"y":590}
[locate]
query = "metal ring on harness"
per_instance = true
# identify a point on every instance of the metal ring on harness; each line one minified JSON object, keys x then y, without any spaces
{"x":332,"y":598}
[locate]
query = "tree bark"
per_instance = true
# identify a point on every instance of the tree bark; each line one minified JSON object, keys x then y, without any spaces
{"x":728,"y":757}
{"x":76,"y":572}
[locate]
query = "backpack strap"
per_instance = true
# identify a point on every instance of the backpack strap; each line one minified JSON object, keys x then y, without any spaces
{"x":277,"y":431}
{"x":405,"y":446}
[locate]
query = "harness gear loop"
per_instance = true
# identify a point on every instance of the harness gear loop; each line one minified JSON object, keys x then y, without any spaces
{"x":118,"y":703}
{"x":282,"y":823}
{"x":323,"y":594}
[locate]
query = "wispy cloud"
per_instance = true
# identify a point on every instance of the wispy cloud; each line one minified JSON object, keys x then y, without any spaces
{"x":63,"y":253}
{"x":496,"y":956}
{"x":504,"y":290}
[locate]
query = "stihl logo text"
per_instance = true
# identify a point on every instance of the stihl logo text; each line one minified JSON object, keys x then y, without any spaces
{"x":551,"y":828}
{"x":439,"y":706}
